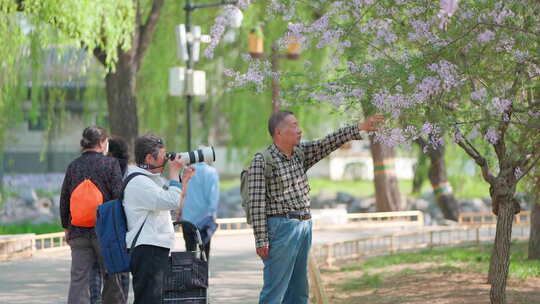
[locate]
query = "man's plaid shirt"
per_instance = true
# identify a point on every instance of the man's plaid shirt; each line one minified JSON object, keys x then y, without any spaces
{"x":288,"y":189}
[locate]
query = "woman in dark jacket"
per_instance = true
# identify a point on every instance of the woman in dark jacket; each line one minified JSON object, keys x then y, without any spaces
{"x":90,"y":180}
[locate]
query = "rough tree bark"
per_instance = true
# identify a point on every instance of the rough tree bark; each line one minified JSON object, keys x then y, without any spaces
{"x":387,"y":194}
{"x":121,"y":99}
{"x":502,"y":192}
{"x":439,"y":181}
{"x":500,"y":261}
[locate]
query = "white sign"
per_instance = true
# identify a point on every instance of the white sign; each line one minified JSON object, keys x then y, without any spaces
{"x":181,"y":42}
{"x":177,"y":80}
{"x":190,"y":82}
{"x":196,"y":83}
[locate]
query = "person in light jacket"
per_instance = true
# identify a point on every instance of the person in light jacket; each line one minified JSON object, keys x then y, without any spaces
{"x":148,"y":200}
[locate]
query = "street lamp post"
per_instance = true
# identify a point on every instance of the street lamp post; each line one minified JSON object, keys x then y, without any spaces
{"x":189,"y":8}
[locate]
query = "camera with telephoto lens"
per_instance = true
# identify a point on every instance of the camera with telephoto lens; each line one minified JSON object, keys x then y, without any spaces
{"x":205,"y":154}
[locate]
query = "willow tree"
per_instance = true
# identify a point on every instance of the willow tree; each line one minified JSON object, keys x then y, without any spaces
{"x":32,"y":28}
{"x":434,"y":69}
{"x":118,"y":33}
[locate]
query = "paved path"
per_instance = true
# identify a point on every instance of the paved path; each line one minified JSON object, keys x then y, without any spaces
{"x":235,"y":270}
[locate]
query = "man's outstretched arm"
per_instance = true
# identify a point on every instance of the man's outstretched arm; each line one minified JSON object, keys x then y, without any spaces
{"x":316,"y":150}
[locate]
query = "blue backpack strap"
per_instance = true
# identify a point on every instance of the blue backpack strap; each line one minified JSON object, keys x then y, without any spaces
{"x":126,"y":181}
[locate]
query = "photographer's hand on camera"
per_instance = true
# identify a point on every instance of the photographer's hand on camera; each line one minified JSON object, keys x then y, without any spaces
{"x":188,"y":173}
{"x":175,"y":166}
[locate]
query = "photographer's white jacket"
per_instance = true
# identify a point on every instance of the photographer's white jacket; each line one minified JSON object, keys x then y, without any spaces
{"x":146,"y":197}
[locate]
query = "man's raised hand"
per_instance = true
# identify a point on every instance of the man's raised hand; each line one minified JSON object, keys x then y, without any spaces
{"x":370,"y":124}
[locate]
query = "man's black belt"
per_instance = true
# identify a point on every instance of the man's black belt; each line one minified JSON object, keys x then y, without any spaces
{"x":301,"y":217}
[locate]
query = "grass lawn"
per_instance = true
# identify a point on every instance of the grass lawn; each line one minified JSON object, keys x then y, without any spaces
{"x":30,"y":228}
{"x":443,"y":275}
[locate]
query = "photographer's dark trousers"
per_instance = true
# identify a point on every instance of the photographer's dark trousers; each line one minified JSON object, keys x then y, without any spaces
{"x":148,"y":266}
{"x":84,"y":254}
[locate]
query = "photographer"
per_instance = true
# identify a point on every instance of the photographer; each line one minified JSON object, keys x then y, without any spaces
{"x":148,"y":200}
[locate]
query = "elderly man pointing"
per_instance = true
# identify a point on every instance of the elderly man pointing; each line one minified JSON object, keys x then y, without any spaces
{"x":280,"y":203}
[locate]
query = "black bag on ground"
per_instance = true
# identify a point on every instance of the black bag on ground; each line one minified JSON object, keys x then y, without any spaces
{"x":186,"y":271}
{"x":186,"y":278}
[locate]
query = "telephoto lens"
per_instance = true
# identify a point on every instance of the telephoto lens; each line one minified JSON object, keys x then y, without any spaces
{"x":204,"y":154}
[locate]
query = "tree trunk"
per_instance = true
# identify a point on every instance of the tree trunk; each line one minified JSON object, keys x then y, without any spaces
{"x":439,"y":181}
{"x":121,"y":83}
{"x":501,"y":251}
{"x":534,"y":238}
{"x":122,"y":101}
{"x":387,"y":194}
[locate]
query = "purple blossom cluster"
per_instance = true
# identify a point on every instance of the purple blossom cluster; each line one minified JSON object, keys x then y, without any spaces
{"x":383,"y":30}
{"x":505,"y":45}
{"x":433,"y":134}
{"x":423,"y":33}
{"x":447,"y":72}
{"x":337,"y":95}
{"x":486,"y":36}
{"x":277,"y":8}
{"x":391,"y":137}
{"x":435,"y":141}
{"x":534,"y":114}
{"x":216,"y":32}
{"x":479,"y":94}
{"x":448,"y":9}
{"x":368,"y":69}
{"x":499,"y":105}
{"x":492,"y":135}
{"x":466,"y":14}
{"x":428,"y":128}
{"x":500,"y":15}
{"x":390,"y":103}
{"x":521,"y":56}
{"x":257,"y":72}
{"x":428,"y":87}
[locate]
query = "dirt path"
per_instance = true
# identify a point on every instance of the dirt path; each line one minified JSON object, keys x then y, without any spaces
{"x":426,"y":283}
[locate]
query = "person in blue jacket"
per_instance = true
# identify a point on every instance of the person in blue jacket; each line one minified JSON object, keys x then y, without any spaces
{"x":201,"y":205}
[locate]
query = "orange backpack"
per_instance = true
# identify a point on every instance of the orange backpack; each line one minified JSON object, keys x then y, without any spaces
{"x":85,"y":199}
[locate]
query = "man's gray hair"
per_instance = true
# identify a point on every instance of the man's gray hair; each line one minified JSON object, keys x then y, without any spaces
{"x":276,"y":119}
